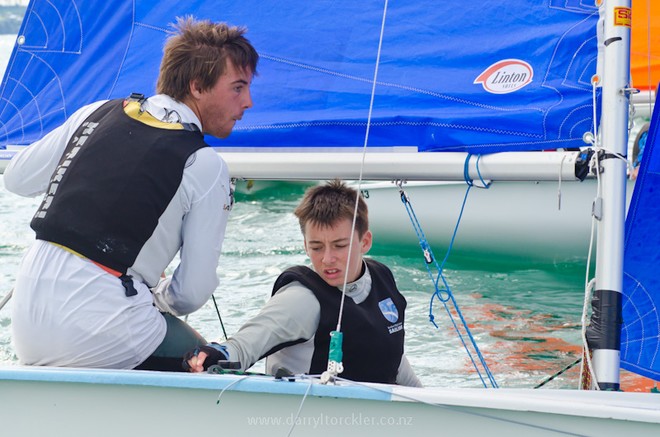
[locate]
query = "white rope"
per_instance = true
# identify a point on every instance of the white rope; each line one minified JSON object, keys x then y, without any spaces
{"x":364,"y":153}
{"x":243,"y":378}
{"x":587,"y":356}
{"x":302,"y":402}
{"x":561,"y":165}
{"x":589,"y":284}
{"x":381,"y":388}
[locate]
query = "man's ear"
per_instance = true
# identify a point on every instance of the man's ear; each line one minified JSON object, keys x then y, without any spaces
{"x":195,"y":89}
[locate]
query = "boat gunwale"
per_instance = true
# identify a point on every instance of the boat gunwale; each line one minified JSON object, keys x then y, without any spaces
{"x":634,"y":406}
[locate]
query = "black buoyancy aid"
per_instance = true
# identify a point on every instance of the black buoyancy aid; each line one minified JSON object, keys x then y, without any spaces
{"x":373,"y":332}
{"x":115,"y":179}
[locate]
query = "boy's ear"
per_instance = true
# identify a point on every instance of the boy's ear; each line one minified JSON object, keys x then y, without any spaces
{"x":366,"y":241}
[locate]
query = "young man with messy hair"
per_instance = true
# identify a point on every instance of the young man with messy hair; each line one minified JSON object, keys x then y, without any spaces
{"x":128,"y":183}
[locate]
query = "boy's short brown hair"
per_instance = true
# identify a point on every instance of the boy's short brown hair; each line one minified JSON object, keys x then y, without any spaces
{"x":325,"y":205}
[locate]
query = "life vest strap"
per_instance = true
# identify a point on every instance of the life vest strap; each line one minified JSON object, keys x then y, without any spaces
{"x":126,"y":280}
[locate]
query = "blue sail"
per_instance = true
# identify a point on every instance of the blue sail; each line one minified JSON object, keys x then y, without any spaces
{"x":452,"y":75}
{"x":640,"y":335}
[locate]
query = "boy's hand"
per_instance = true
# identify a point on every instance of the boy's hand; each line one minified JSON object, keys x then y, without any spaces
{"x":202,"y":357}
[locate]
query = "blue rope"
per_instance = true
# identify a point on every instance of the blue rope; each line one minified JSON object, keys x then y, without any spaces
{"x":444,"y":294}
{"x":466,"y":172}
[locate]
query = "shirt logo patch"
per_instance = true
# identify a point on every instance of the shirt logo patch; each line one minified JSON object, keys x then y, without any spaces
{"x":389,"y":310}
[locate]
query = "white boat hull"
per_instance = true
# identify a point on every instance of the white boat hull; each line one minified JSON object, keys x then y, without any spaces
{"x":83,"y":402}
{"x":511,"y":222}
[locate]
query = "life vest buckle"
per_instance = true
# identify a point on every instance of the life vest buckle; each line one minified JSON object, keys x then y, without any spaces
{"x":127,"y":282}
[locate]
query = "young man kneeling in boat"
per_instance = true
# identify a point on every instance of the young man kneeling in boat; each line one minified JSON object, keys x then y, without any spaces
{"x":293,"y":329}
{"x":129,"y":183}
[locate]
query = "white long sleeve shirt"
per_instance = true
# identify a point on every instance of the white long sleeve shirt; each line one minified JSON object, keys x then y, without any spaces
{"x":294,"y":313}
{"x":69,"y":312}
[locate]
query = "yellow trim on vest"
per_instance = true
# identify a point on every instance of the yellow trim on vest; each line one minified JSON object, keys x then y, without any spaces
{"x":134,"y":110}
{"x":68,"y":250}
{"x":101,"y":266}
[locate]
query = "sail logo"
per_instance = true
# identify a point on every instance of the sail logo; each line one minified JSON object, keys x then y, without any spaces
{"x":506,"y":76}
{"x":389,"y":310}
